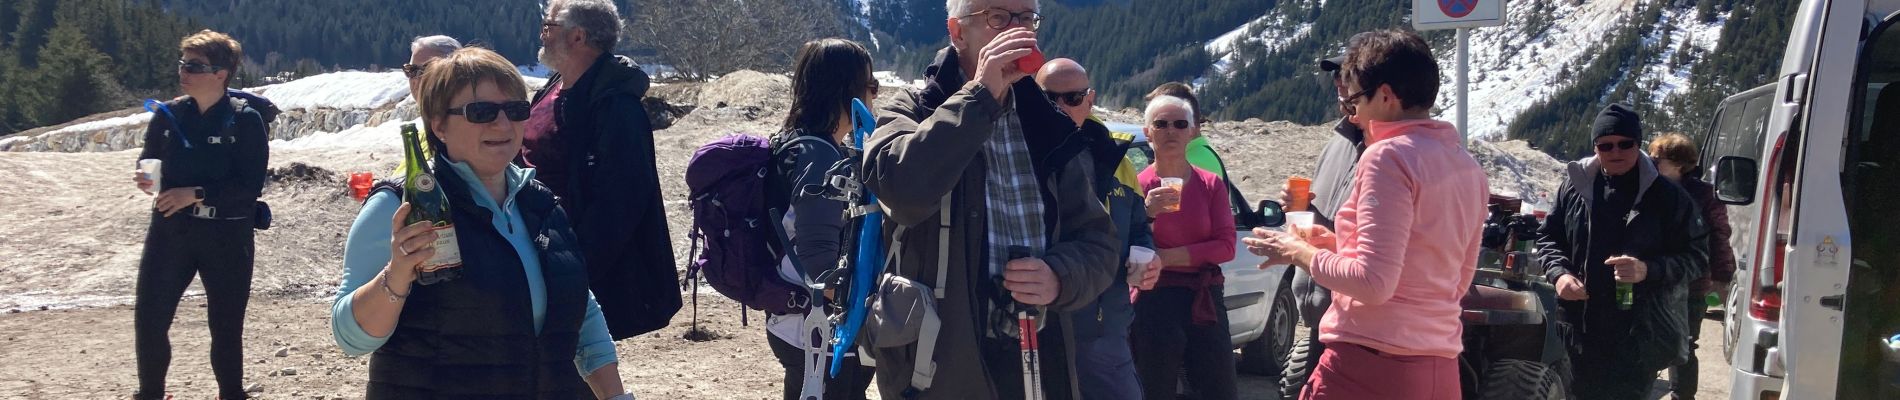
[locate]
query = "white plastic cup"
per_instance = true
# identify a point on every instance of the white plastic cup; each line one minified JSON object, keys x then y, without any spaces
{"x":150,"y":167}
{"x":1299,"y":221}
{"x":1140,"y":255}
{"x":1138,"y":259}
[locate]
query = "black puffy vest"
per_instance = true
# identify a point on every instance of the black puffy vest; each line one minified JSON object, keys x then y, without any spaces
{"x":474,"y":337}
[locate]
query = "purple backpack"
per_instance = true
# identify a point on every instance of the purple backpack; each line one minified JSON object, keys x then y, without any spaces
{"x":725,"y":181}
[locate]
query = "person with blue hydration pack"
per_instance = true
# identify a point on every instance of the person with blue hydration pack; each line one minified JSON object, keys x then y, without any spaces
{"x":213,"y":147}
{"x":1104,"y":363}
{"x":520,"y":322}
{"x":828,"y":76}
{"x":972,"y":166}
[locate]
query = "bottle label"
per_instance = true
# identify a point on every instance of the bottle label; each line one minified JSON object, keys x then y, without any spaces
{"x":446,"y":252}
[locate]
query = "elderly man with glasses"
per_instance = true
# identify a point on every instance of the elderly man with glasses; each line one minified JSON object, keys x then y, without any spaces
{"x":995,"y":216}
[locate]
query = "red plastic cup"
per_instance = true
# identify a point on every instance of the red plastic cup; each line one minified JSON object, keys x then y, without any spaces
{"x":1031,"y":63}
{"x":360,"y":183}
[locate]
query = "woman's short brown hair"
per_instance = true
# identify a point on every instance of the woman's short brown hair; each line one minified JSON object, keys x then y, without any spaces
{"x":219,"y":49}
{"x":460,"y":70}
{"x":1399,"y":58}
{"x":1675,"y":147}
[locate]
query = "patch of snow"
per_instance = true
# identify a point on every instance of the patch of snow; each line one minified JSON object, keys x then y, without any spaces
{"x":129,"y":120}
{"x":536,"y":71}
{"x":349,"y":89}
{"x":1276,"y":32}
{"x":387,"y":135}
{"x":1511,"y":71}
{"x":1690,"y":35}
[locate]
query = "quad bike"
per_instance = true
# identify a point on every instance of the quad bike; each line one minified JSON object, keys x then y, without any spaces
{"x":1514,"y":334}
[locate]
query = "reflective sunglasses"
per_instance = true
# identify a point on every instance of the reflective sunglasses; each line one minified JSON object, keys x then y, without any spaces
{"x":1178,"y":124}
{"x":1072,"y":99}
{"x":1621,"y":144}
{"x":997,"y":18}
{"x":414,"y":71}
{"x":482,"y":112}
{"x":193,"y":67}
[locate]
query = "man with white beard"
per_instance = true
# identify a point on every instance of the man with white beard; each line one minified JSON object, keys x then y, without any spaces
{"x":590,"y":142}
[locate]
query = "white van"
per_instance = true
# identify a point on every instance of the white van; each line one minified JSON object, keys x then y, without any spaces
{"x":1818,"y":214}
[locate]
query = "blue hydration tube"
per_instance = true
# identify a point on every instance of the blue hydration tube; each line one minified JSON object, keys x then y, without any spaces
{"x":870,"y":255}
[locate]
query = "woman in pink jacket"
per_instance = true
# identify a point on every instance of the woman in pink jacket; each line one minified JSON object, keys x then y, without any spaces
{"x":1408,"y":235}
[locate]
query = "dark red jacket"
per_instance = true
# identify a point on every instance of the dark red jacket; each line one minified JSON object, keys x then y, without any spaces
{"x":1721,"y":255}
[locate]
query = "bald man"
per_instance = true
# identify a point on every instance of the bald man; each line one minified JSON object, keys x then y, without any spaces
{"x":1104,"y":364}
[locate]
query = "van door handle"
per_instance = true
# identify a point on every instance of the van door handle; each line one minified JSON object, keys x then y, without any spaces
{"x":1833,"y":302}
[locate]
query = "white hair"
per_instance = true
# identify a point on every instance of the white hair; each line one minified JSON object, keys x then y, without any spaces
{"x":959,"y":8}
{"x":441,"y":44}
{"x":1154,"y":106}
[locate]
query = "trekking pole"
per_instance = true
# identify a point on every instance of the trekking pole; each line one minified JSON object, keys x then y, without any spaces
{"x":1031,"y":346}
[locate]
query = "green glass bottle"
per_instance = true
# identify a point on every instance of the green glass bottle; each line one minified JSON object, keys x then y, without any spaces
{"x":1625,"y":295}
{"x":427,"y":202}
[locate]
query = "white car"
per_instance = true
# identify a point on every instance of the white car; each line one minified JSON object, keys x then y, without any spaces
{"x":1260,"y":308}
{"x":1813,"y":203}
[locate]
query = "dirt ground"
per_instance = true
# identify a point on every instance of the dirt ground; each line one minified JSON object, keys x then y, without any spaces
{"x":86,"y":353}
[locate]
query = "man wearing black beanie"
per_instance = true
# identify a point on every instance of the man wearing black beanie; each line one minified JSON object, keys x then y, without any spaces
{"x":1615,"y":223}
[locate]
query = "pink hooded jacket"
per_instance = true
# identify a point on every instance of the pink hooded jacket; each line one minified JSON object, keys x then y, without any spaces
{"x":1407,"y":242}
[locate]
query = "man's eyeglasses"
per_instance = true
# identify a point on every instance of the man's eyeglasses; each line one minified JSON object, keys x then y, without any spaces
{"x":997,"y":18}
{"x":1071,"y":99}
{"x":1621,"y":144}
{"x":1178,"y":124}
{"x":193,"y":67}
{"x":1351,"y":103}
{"x":414,"y":71}
{"x":483,"y":112}
{"x":551,"y":24}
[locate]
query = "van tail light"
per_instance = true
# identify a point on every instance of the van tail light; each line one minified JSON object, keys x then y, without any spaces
{"x":1764,"y":302}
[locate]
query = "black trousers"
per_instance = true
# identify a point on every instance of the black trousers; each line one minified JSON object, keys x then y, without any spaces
{"x":219,"y":252}
{"x":852,"y":381}
{"x":1683,"y":378}
{"x":1166,"y":339}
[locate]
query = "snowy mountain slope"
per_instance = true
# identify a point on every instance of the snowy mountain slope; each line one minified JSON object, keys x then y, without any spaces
{"x":1517,"y":65}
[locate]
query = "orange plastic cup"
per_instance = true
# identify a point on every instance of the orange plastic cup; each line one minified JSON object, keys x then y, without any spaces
{"x":1299,"y":190}
{"x":360,"y":183}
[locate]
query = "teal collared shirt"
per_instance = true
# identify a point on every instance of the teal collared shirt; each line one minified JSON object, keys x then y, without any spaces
{"x":367,"y":251}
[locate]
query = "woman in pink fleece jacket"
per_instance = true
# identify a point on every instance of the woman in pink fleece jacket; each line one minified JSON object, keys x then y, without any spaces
{"x":1408,"y":235}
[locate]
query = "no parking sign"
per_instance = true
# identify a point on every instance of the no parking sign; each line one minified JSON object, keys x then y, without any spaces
{"x":1446,"y":14}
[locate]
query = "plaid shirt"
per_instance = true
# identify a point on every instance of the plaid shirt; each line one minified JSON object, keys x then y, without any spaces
{"x":1014,"y":201}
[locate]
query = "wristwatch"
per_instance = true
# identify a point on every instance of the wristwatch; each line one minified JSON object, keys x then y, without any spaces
{"x":198,"y":193}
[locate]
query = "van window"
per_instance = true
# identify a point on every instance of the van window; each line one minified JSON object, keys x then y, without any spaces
{"x":1871,"y":187}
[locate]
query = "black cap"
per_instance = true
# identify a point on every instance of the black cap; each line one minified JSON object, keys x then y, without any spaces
{"x":1332,"y":64}
{"x":1619,"y":120}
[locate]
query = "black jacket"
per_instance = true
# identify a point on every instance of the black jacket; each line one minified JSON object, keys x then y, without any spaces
{"x":474,"y":337}
{"x":1664,"y":229}
{"x":223,"y":150}
{"x":613,"y":192}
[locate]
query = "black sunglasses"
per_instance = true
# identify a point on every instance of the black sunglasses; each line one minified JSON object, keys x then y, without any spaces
{"x":482,"y":112}
{"x":414,"y":71}
{"x":998,"y":18}
{"x":1178,"y":124}
{"x":193,"y":67}
{"x":1072,"y":99}
{"x":1621,"y":144}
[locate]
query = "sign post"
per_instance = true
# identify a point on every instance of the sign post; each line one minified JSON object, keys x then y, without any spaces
{"x":1461,"y":15}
